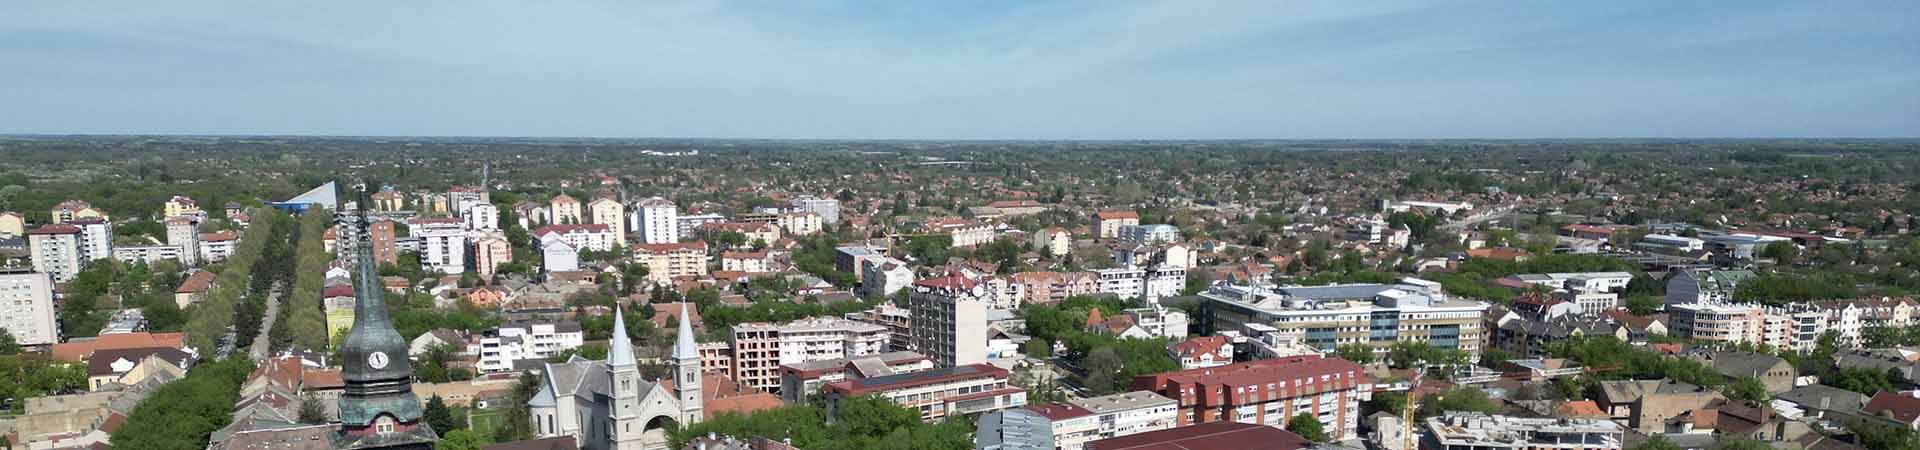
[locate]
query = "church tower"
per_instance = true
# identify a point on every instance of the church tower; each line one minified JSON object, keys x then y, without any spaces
{"x":686,"y":372}
{"x":623,"y":411}
{"x":378,"y":410}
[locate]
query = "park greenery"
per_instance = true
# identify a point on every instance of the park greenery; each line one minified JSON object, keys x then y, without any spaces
{"x":859,"y":423}
{"x":182,"y":414}
{"x":1107,"y":363}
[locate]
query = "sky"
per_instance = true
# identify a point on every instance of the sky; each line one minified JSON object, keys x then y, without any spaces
{"x":972,"y":69}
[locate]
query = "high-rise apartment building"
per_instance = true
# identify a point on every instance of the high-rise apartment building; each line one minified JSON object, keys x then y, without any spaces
{"x":26,"y":307}
{"x":609,"y":212}
{"x":443,"y":244}
{"x":657,"y":221}
{"x":185,"y":233}
{"x":96,"y":239}
{"x":950,"y":319}
{"x":55,"y":250}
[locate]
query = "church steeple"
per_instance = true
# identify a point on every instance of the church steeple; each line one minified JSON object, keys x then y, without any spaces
{"x":620,"y":351}
{"x":378,"y":409}
{"x":686,"y":371}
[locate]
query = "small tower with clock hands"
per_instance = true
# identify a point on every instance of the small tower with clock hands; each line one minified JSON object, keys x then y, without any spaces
{"x":378,"y":410}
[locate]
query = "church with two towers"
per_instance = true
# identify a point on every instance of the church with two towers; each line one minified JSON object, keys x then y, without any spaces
{"x":606,"y":405}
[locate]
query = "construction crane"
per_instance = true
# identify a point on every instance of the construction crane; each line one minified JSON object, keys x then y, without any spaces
{"x":1413,"y":400}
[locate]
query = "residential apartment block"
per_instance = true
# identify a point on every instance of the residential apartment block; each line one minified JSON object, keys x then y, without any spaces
{"x":656,"y":221}
{"x":1268,"y":392}
{"x":798,"y":381}
{"x":443,"y":244}
{"x":26,"y":307}
{"x":1108,"y":223}
{"x":935,"y":393}
{"x":55,"y":250}
{"x":515,"y":341}
{"x":827,"y":208}
{"x":949,"y":316}
{"x":1377,"y":315}
{"x":613,"y":215}
{"x":759,"y":349}
{"x":666,"y":261}
{"x":565,"y":210}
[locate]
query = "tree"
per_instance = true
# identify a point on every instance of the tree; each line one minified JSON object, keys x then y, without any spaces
{"x":1307,"y":426}
{"x":1656,"y":442}
{"x":1747,"y":389}
{"x":8,"y":346}
{"x":1458,"y":398}
{"x":1103,"y":370}
{"x":1358,"y":353}
{"x":182,"y":414}
{"x":461,"y":440}
{"x":1641,"y":305}
{"x":312,"y":410}
{"x":438,"y":415}
{"x":1863,"y":380}
{"x":1781,"y":252}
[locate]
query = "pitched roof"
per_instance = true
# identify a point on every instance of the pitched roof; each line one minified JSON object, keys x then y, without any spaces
{"x":199,"y":282}
{"x":1111,"y":215}
{"x":102,"y":361}
{"x":1198,"y":345}
{"x":1207,"y":436}
{"x":1903,"y":408}
{"x":80,"y":351}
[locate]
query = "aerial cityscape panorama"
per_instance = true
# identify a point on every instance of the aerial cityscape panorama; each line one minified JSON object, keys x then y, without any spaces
{"x":983,"y":225}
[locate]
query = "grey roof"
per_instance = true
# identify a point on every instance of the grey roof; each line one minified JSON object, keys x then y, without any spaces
{"x":1623,"y":391}
{"x":1346,"y":292}
{"x":1122,"y":401}
{"x":1824,"y":397}
{"x":1744,"y":364}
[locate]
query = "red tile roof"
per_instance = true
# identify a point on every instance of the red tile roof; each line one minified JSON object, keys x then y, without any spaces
{"x":571,"y":228}
{"x":953,"y":280}
{"x":1198,"y":345}
{"x":1207,"y":436}
{"x":1257,"y":372}
{"x":58,"y":228}
{"x":1901,"y":407}
{"x":1110,"y":215}
{"x":80,"y":351}
{"x":659,"y":248}
{"x":337,"y":291}
{"x":197,"y":283}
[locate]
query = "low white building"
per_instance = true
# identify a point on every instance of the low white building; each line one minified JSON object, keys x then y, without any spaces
{"x":886,"y":277}
{"x":558,"y":255}
{"x":515,"y":341}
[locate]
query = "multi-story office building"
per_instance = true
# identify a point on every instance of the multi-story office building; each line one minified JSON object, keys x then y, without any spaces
{"x":1479,"y":431}
{"x":613,"y":215}
{"x":481,"y":217}
{"x":1377,"y":315}
{"x":657,"y":221}
{"x":935,"y":393}
{"x":949,"y":316}
{"x":800,"y":380}
{"x":55,"y":250}
{"x":443,"y":244}
{"x":827,"y":208}
{"x":1268,"y":392}
{"x":26,"y":307}
{"x":515,"y":341}
{"x":759,"y":349}
{"x":666,"y":261}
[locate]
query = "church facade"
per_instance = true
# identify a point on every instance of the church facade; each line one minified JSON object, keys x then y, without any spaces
{"x":606,"y":405}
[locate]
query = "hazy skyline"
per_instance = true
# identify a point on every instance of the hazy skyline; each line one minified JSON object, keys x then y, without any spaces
{"x":969,"y":70}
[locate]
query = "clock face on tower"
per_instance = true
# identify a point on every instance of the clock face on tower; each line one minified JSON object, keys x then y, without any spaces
{"x":378,"y":360}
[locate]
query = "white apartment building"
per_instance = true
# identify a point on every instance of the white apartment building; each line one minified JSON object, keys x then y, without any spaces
{"x":96,"y":239}
{"x":1149,"y":234}
{"x":593,"y":236}
{"x":1054,"y":241}
{"x":515,"y":341}
{"x":1146,"y":284}
{"x":481,"y":217}
{"x":26,"y":307}
{"x":750,"y":262}
{"x":689,"y":225}
{"x":828,"y":209}
{"x":759,"y":349}
{"x":1003,"y":292}
{"x":443,"y":244}
{"x":886,"y":277}
{"x":949,"y":315}
{"x":657,"y":221}
{"x":1127,"y":413}
{"x":462,"y":199}
{"x":558,"y":255}
{"x":184,"y":233}
{"x":215,"y":247}
{"x":147,"y":253}
{"x":800,"y":223}
{"x":55,"y":250}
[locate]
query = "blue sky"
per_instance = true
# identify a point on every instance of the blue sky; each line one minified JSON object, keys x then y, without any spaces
{"x":964,"y":69}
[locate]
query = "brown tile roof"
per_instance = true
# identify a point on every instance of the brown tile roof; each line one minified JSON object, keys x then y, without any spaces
{"x":1207,"y":436}
{"x":1198,"y":345}
{"x":198,"y":283}
{"x":80,"y":351}
{"x":58,"y":228}
{"x":1110,"y":215}
{"x":1903,"y":408}
{"x":1059,"y":411}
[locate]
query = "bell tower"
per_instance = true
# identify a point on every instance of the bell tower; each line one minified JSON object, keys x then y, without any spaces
{"x":686,"y":372}
{"x":623,"y":410}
